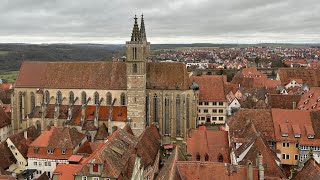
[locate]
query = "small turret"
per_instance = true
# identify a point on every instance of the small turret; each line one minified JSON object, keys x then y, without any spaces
{"x":135,"y":36}
{"x":143,"y":35}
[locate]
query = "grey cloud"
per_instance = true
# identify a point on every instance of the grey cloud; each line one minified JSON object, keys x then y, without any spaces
{"x":167,"y":21}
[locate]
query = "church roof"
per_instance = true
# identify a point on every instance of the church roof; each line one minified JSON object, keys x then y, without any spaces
{"x":98,"y":75}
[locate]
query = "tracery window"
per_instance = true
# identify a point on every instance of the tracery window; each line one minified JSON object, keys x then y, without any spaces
{"x":20,"y":106}
{"x":32,"y":101}
{"x":178,"y":125}
{"x":187,"y":110}
{"x":96,"y":98}
{"x":109,"y":98}
{"x":71,"y":97}
{"x":59,"y":97}
{"x":167,"y":115}
{"x":47,"y":97}
{"x":83,"y":97}
{"x":155,"y":108}
{"x":123,"y":99}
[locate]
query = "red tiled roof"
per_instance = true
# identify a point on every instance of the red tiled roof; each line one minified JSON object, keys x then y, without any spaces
{"x":309,"y":76}
{"x":75,"y":158}
{"x":5,"y":86}
{"x":310,"y":171}
{"x":211,"y":143}
{"x":211,"y":88}
{"x":310,"y":103}
{"x":213,"y":170}
{"x":283,"y":101}
{"x":5,"y":120}
{"x":284,"y":119}
{"x":98,"y":75}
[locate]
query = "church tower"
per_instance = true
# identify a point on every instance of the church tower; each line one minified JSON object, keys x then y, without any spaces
{"x":137,"y":52}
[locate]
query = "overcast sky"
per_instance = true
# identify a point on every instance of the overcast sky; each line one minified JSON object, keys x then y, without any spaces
{"x":167,"y":21}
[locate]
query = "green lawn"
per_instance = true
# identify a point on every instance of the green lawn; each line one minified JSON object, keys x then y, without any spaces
{"x":9,"y":77}
{"x":3,"y":53}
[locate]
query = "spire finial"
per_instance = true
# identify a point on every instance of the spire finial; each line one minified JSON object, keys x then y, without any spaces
{"x":135,"y":36}
{"x":143,"y":35}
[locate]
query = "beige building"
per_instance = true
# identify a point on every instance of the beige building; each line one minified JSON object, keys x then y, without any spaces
{"x":212,"y":106}
{"x":91,"y":95}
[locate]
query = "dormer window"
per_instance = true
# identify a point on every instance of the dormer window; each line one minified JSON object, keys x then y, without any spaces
{"x":36,"y":150}
{"x":49,"y":151}
{"x":284,"y":134}
{"x":63,"y":151}
{"x":318,"y":99}
{"x":310,"y":95}
{"x":314,"y":106}
{"x":310,"y":136}
{"x":306,"y":101}
{"x":297,"y":135}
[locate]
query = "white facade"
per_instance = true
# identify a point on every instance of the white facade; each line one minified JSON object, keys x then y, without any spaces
{"x":44,"y":165}
{"x":212,"y":112}
{"x":233,"y":105}
{"x":5,"y":132}
{"x":292,"y":84}
{"x":21,"y":161}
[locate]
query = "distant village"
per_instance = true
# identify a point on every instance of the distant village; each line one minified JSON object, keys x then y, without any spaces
{"x":165,"y":115}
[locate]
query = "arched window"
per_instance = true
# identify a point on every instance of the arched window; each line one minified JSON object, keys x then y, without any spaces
{"x":167,"y":115}
{"x":134,"y":53}
{"x":220,"y":158}
{"x":123,"y":99}
{"x":109,"y":98}
{"x":96,"y":98}
{"x":32,"y":101}
{"x":20,"y":106}
{"x":135,"y":68}
{"x":155,"y":108}
{"x":83,"y":97}
{"x":71,"y":97}
{"x":198,"y":157}
{"x":187,"y":110}
{"x":206,"y":157}
{"x":59,"y":97}
{"x":178,"y":125}
{"x":47,"y":97}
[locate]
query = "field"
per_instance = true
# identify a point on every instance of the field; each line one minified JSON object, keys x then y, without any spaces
{"x":9,"y":76}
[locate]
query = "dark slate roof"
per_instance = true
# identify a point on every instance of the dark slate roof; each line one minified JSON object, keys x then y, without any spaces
{"x":98,"y":75}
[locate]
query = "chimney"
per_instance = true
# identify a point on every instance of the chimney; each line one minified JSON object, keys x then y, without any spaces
{"x":260,"y":166}
{"x":294,"y":105}
{"x":25,"y":134}
{"x":249,"y":171}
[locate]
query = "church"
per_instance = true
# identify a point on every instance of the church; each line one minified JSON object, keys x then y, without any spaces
{"x":98,"y":97}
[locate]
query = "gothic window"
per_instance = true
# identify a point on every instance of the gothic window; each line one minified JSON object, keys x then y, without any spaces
{"x":47,"y":97}
{"x":187,"y":111}
{"x":167,"y":115}
{"x":59,"y":97}
{"x":147,"y":109}
{"x":20,"y":106}
{"x":96,"y":98}
{"x":109,"y":98}
{"x":71,"y":97}
{"x":178,"y":130}
{"x":220,"y":158}
{"x":206,"y":157}
{"x":33,"y":101}
{"x":135,"y":68}
{"x":83,"y":97}
{"x":123,"y":99}
{"x":198,"y":157}
{"x":155,"y":108}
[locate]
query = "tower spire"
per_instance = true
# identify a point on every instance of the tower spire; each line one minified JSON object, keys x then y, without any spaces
{"x":143,"y":35}
{"x":135,"y":36}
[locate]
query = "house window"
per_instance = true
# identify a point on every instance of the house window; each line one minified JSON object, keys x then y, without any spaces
{"x":36,"y":151}
{"x":84,"y":178}
{"x":63,"y":151}
{"x":135,"y":68}
{"x":285,"y":144}
{"x":220,"y":103}
{"x":95,"y":168}
{"x":296,"y":157}
{"x":220,"y":118}
{"x":206,"y":157}
{"x":199,"y":110}
{"x":83,"y":98}
{"x":178,"y":130}
{"x":95,"y":178}
{"x":297,"y":145}
{"x":200,"y":103}
{"x":40,"y":163}
{"x":109,"y":99}
{"x":96,"y":98}
{"x":71,"y":97}
{"x":214,"y":118}
{"x":205,"y":111}
{"x":287,"y":156}
{"x":155,"y":108}
{"x":198,"y":157}
{"x":220,"y":110}
{"x":214,"y":103}
{"x":50,"y":151}
{"x":35,"y":163}
{"x":123,"y":99}
{"x":206,"y":103}
{"x":214,"y":111}
{"x":203,"y":118}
